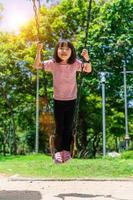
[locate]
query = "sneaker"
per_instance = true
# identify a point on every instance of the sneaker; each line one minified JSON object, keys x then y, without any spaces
{"x":58,"y":157}
{"x":66,"y":155}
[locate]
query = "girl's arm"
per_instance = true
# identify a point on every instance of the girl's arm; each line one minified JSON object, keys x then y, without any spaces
{"x":87,"y":65}
{"x":38,"y":64}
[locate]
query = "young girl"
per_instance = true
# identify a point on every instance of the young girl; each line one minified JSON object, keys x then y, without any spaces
{"x":63,"y":67}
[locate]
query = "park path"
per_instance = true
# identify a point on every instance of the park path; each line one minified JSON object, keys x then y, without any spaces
{"x":12,"y":188}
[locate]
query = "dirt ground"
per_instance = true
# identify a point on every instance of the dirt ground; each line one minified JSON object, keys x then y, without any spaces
{"x":15,"y":188}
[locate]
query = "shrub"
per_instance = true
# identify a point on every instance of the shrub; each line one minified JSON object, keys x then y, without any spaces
{"x":127,"y":154}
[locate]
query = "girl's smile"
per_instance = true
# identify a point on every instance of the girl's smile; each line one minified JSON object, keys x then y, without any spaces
{"x":64,"y":53}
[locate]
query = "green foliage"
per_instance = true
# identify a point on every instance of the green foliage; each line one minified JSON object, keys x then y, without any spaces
{"x":16,"y":90}
{"x":127,"y":155}
{"x":116,"y":123}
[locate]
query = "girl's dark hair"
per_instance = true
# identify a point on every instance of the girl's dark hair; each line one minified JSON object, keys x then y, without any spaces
{"x":63,"y":43}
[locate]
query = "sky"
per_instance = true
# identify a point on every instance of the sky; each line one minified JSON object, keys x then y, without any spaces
{"x":16,"y":13}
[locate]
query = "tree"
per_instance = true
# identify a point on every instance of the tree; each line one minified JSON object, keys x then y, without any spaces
{"x":15,"y":88}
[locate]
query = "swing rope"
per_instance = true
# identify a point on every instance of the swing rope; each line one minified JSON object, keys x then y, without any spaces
{"x":81,"y":81}
{"x":37,"y":19}
{"x":88,"y":22}
{"x":46,"y":118}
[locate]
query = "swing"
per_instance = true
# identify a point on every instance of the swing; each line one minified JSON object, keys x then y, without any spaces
{"x":46,"y":118}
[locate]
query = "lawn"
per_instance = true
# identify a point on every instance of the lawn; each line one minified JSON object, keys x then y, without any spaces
{"x":42,"y":166}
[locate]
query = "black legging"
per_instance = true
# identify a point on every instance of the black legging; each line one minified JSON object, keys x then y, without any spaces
{"x":64,"y":114}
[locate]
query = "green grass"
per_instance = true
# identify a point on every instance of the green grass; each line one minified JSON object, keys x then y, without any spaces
{"x":42,"y":166}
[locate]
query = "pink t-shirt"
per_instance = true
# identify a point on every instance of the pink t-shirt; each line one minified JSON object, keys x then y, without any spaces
{"x":64,"y":78}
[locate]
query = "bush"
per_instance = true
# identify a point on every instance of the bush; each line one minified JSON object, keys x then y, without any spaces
{"x":127,"y":155}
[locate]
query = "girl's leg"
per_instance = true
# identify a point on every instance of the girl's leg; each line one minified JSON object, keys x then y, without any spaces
{"x":68,"y":124}
{"x":59,"y":121}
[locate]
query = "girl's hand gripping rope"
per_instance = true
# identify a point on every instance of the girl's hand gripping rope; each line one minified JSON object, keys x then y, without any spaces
{"x":87,"y":65}
{"x":39,"y":47}
{"x":38,"y":64}
{"x":85,"y":55}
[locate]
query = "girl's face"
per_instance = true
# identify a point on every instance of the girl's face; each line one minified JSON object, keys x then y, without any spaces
{"x":64,"y":52}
